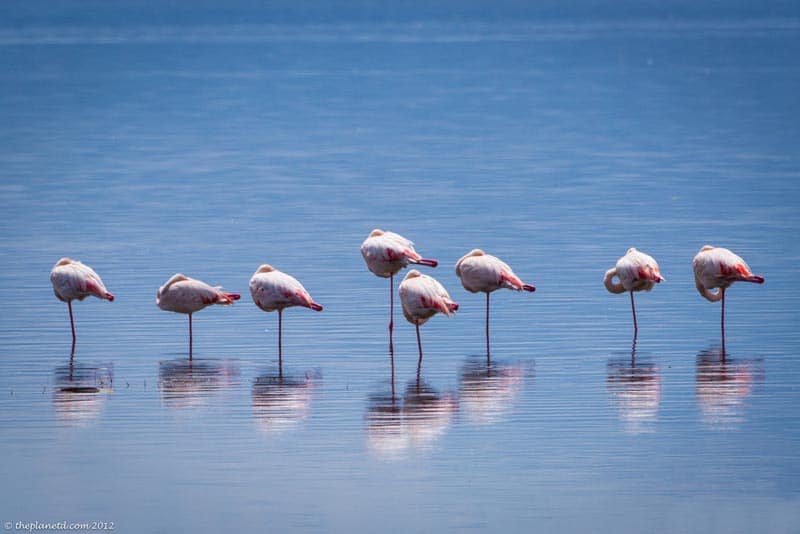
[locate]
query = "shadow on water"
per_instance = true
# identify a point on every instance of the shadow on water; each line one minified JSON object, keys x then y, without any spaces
{"x":489,"y":390}
{"x":723,"y":385}
{"x":187,"y":383}
{"x":634,"y":388}
{"x":397,"y":425}
{"x":80,"y":390}
{"x":282,"y":400}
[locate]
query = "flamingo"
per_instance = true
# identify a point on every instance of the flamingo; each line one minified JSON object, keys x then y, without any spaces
{"x":479,"y":271}
{"x":72,"y":280}
{"x":636,"y":271}
{"x":182,"y":294}
{"x":422,"y":297}
{"x":718,"y":268}
{"x":386,"y":253}
{"x":273,"y":290}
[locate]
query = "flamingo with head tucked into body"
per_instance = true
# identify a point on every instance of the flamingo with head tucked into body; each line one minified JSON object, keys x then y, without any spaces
{"x":479,"y":271}
{"x":386,"y":253}
{"x":182,"y":294}
{"x":422,"y":297}
{"x":718,"y":268}
{"x":274,"y":290}
{"x":72,"y":280}
{"x":635,"y":271}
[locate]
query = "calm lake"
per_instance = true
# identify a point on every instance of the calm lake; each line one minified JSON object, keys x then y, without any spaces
{"x":209,"y":141}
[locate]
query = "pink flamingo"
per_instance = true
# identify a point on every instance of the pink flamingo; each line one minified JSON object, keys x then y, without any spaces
{"x":422,"y":297}
{"x":273,"y":290}
{"x":385,"y":254}
{"x":636,"y":271}
{"x":718,"y":268}
{"x":73,"y":280}
{"x":483,"y":272}
{"x":182,"y":294}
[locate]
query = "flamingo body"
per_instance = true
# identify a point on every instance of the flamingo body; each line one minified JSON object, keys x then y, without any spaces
{"x":182,"y":294}
{"x":386,"y":253}
{"x":274,"y":290}
{"x":72,"y":280}
{"x":481,"y":272}
{"x":636,"y":271}
{"x":422,"y":297}
{"x":718,"y":268}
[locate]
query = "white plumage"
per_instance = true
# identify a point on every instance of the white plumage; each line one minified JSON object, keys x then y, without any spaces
{"x":635,"y":271}
{"x":72,"y":280}
{"x":423,"y":297}
{"x":182,"y":294}
{"x":386,"y":253}
{"x":273,"y":290}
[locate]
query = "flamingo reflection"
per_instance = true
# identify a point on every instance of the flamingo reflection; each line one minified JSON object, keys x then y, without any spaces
{"x":723,"y":384}
{"x":416,"y":421}
{"x":634,"y":387}
{"x":190,"y":383}
{"x":80,"y":391}
{"x":488,"y":391}
{"x":281,"y":401}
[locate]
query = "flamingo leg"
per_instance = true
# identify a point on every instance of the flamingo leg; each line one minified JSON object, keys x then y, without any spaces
{"x":72,"y":325}
{"x":635,"y":326}
{"x":487,"y":327}
{"x":190,"y":336}
{"x":391,"y":312}
{"x":280,"y":344}
{"x":419,"y":346}
{"x":722,"y":322}
{"x":391,"y":361}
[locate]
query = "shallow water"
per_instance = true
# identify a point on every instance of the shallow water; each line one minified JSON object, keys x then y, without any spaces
{"x":208,"y":145}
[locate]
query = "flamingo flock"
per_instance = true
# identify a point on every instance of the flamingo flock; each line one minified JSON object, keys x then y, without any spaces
{"x":421,"y":296}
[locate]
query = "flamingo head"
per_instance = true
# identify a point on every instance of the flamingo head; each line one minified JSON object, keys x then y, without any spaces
{"x":413,"y":273}
{"x":265,"y":268}
{"x":376,"y":233}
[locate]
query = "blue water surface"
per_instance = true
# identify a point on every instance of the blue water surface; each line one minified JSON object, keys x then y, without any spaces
{"x":209,"y":139}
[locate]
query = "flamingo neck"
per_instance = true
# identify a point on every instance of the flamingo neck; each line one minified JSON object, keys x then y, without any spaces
{"x":608,"y":280}
{"x":706,"y":293}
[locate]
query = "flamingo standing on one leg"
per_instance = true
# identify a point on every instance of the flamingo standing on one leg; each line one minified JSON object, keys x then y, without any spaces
{"x":422,"y":297}
{"x":273,"y":290}
{"x":483,"y":272}
{"x":385,"y":254}
{"x":73,"y":280}
{"x":717,"y":267}
{"x":182,"y":294}
{"x":636,"y":271}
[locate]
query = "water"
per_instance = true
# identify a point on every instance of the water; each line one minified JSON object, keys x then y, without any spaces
{"x":209,"y":142}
